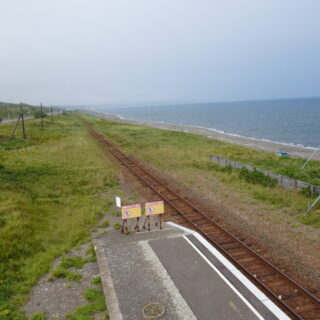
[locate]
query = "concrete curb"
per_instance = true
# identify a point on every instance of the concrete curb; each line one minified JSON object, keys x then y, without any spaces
{"x":107,"y":284}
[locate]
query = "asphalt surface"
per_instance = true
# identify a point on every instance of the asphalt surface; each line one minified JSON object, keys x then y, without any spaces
{"x":204,"y":290}
{"x":163,"y":267}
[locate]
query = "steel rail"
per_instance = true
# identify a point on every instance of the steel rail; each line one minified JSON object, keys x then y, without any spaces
{"x":124,"y":159}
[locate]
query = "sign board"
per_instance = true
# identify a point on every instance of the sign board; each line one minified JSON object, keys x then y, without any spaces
{"x":133,"y":211}
{"x":118,"y":202}
{"x":153,"y":208}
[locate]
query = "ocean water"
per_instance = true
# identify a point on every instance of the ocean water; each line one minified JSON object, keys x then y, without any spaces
{"x":292,"y":121}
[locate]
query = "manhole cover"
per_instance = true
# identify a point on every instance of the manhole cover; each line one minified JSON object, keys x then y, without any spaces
{"x":153,"y":311}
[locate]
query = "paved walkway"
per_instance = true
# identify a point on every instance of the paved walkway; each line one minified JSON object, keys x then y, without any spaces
{"x":179,"y":269}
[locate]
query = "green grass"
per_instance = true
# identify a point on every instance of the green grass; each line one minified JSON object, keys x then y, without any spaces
{"x":96,"y":280}
{"x":92,"y":254}
{"x":67,"y":274}
{"x":73,"y":262}
{"x":257,"y":177}
{"x":38,"y":316}
{"x":186,"y":157}
{"x":70,"y":262}
{"x":54,"y":187}
{"x":117,"y":226}
{"x":96,"y":303}
{"x":105,"y":223}
{"x":148,"y":138}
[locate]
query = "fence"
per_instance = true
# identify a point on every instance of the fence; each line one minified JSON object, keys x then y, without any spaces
{"x":287,"y":183}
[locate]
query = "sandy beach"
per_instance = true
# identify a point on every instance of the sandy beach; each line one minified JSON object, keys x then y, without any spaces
{"x":292,"y":150}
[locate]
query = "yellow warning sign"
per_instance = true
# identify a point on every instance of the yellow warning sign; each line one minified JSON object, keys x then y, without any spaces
{"x":153,"y":208}
{"x":132,"y":211}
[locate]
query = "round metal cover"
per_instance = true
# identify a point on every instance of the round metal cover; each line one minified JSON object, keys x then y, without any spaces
{"x":153,"y":311}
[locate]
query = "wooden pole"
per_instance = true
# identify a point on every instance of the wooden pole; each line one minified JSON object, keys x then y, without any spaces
{"x":22,"y":120}
{"x":15,"y":127}
{"x":41,"y":116}
{"x":51,"y":114}
{"x":23,"y":127}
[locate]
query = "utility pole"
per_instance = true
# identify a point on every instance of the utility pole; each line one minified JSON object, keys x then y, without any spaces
{"x":41,"y":116}
{"x":314,"y":152}
{"x":22,"y":119}
{"x":51,"y":114}
{"x":15,"y":127}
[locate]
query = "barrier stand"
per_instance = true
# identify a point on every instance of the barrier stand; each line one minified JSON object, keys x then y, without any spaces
{"x":124,"y":227}
{"x":152,"y":209}
{"x":129,"y":212}
{"x":145,"y":221}
{"x":137,"y":228}
{"x":160,"y":221}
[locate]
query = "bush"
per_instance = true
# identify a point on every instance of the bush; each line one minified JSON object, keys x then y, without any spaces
{"x":257,"y":177}
{"x":39,"y":115}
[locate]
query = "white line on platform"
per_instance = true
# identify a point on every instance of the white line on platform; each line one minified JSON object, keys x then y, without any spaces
{"x":244,"y":280}
{"x":226,"y":280}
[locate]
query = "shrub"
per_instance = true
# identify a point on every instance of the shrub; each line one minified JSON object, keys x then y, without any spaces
{"x":257,"y":177}
{"x":39,"y":115}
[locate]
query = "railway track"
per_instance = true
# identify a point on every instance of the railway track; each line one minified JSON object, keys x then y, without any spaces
{"x":292,"y":298}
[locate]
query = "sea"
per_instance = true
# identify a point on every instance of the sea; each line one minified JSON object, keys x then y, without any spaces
{"x":288,"y":121}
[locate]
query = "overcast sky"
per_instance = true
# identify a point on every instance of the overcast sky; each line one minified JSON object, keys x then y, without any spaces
{"x":131,"y":51}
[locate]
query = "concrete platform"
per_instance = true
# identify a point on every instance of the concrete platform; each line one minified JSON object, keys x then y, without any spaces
{"x":179,"y":269}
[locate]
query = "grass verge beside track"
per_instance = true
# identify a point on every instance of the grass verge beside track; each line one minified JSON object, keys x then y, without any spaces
{"x":186,"y":156}
{"x":54,"y":187}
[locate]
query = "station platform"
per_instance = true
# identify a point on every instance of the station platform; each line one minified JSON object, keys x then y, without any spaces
{"x":178,"y":269}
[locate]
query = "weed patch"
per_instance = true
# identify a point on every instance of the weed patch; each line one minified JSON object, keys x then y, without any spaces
{"x":64,"y":273}
{"x":105,"y":224}
{"x":38,"y":316}
{"x":117,"y":226}
{"x":73,"y":262}
{"x":257,"y":177}
{"x":92,"y":254}
{"x":96,"y":280}
{"x":96,"y":303}
{"x":311,"y":219}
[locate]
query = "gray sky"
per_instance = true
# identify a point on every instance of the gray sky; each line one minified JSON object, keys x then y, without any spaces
{"x":131,"y":51}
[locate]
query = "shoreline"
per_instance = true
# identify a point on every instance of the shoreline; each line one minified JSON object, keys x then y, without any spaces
{"x":269,"y":146}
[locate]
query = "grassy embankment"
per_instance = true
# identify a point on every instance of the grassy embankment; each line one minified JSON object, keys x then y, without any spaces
{"x":186,"y":156}
{"x":54,"y":187}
